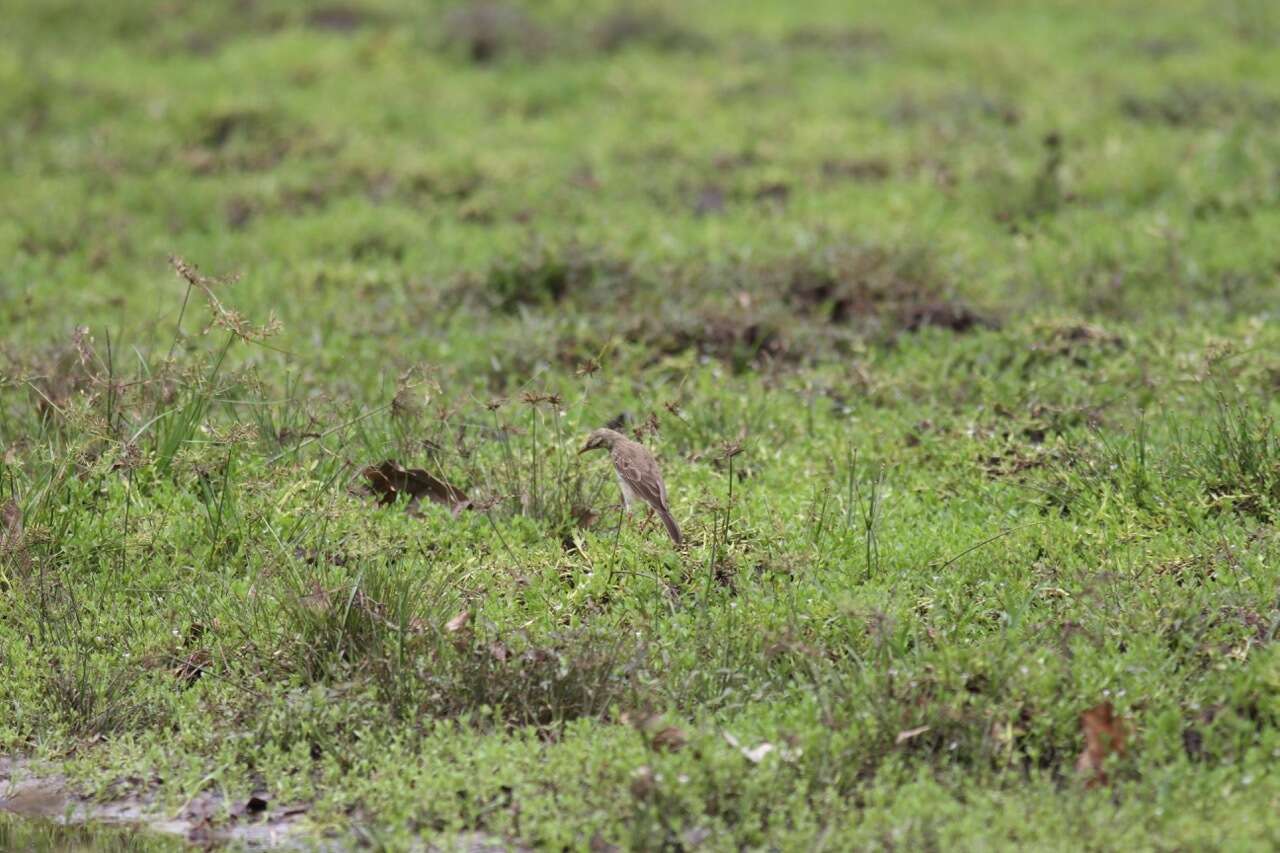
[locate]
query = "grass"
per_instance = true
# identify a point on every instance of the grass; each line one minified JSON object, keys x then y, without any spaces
{"x":951,"y":325}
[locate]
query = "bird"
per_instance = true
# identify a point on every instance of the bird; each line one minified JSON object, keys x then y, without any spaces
{"x":638,"y":474}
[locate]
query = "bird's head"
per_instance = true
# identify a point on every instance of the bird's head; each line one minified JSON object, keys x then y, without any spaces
{"x":601,"y":438}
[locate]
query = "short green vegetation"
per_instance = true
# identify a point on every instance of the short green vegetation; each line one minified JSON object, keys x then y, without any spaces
{"x":952,"y":324}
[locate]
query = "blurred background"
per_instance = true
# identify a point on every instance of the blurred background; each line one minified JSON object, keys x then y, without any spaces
{"x":373,"y":168}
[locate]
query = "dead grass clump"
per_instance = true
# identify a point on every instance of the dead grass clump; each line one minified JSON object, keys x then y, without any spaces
{"x":860,"y":169}
{"x":953,"y":316}
{"x":409,"y":642}
{"x":741,"y":339}
{"x":1202,"y":105}
{"x":93,"y":703}
{"x":628,"y":26}
{"x":239,"y":140}
{"x":543,"y":277}
{"x":1075,"y":341}
{"x":60,"y":374}
{"x":960,"y":109}
{"x":368,"y":623}
{"x":1236,"y":458}
{"x":871,"y":288}
{"x":775,"y":312}
{"x":837,"y":39}
{"x":338,"y":19}
{"x":485,"y":31}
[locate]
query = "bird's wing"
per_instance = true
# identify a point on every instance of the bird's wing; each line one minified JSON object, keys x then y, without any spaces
{"x":637,"y":466}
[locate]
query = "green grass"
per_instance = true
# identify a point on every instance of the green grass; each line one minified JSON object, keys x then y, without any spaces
{"x":951,"y":323}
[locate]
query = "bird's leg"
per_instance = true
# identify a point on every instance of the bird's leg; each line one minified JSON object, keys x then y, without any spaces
{"x":617,"y":537}
{"x":648,"y":519}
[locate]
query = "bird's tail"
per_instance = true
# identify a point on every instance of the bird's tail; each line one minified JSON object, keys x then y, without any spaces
{"x":672,"y":527}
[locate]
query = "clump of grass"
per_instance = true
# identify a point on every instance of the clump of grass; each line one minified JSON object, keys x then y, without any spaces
{"x":543,"y":682}
{"x":530,"y":465}
{"x":1107,"y":465}
{"x":245,"y":139}
{"x":368,"y":621}
{"x":1236,"y":457}
{"x":89,"y":701}
{"x":409,"y":638}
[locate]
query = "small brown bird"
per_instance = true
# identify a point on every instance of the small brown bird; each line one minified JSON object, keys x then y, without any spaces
{"x":638,"y":474}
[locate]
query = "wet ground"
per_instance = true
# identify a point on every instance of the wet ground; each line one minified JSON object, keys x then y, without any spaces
{"x":39,"y":810}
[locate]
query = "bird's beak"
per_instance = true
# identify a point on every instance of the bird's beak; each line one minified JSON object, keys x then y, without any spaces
{"x":584,"y":449}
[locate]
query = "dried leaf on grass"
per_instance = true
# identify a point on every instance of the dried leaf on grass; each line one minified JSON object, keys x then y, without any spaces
{"x":669,"y":739}
{"x":391,"y":479}
{"x":659,"y":737}
{"x":197,"y":659}
{"x":459,"y":622}
{"x":459,"y":630}
{"x":1104,"y":735}
{"x":194,"y":665}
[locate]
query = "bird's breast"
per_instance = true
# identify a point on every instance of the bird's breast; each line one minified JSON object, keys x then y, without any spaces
{"x":628,"y":494}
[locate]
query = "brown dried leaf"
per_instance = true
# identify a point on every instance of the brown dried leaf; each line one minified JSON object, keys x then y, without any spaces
{"x":391,"y":479}
{"x":643,"y":783}
{"x":1104,"y":735}
{"x":459,"y":622}
{"x":669,"y":739}
{"x":194,"y":665}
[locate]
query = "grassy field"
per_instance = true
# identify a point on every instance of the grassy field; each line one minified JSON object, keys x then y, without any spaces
{"x":952,"y":324}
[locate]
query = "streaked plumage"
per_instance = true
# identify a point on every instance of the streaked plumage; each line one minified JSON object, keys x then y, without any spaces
{"x":638,"y":474}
